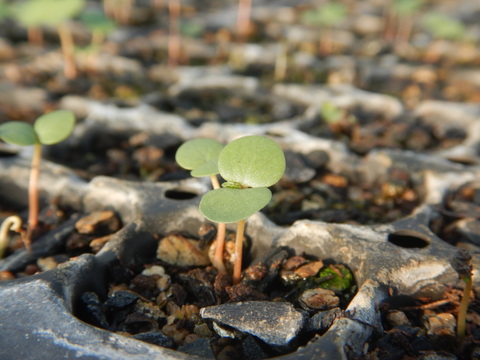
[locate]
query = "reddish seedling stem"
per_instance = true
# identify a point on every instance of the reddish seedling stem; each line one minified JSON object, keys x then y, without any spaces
{"x":237,"y":266}
{"x":66,"y":41}
{"x":35,"y":35}
{"x":243,"y":19}
{"x":174,"y":35}
{"x":33,"y":208}
{"x":221,"y":231}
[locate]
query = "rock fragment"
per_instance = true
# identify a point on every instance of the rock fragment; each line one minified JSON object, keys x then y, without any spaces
{"x":275,"y":323}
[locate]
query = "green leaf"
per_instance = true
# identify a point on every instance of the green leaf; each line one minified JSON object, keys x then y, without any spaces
{"x":443,"y":26}
{"x":407,"y":7}
{"x":200,"y":156}
{"x":230,"y":205}
{"x":96,"y":20}
{"x":17,"y":133}
{"x":206,"y":169}
{"x":328,"y":15}
{"x":54,"y":127}
{"x":46,"y":12}
{"x":253,"y":161}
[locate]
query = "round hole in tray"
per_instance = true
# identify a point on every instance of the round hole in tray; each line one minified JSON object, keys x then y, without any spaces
{"x":408,"y":239}
{"x":180,"y":194}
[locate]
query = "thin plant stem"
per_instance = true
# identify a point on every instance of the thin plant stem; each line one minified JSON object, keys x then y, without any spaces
{"x":281,"y":62}
{"x":33,"y":202}
{"x":220,"y":241}
{"x":220,"y":245}
{"x":14,"y":223}
{"x":174,"y":33}
{"x":237,"y":266}
{"x":35,"y":35}
{"x":215,"y":183}
{"x":243,"y":19}
{"x":97,"y":39}
{"x":66,"y":42}
{"x":462,"y":312}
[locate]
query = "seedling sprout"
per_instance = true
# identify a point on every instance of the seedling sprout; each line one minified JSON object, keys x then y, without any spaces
{"x":249,"y":165}
{"x":48,"y":129}
{"x":36,"y":13}
{"x":201,"y":157}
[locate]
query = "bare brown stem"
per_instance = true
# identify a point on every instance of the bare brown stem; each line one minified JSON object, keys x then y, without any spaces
{"x":237,"y":266}
{"x":243,"y":19}
{"x":174,"y":33}
{"x":462,"y":312}
{"x":33,"y":202}
{"x":66,"y":42}
{"x":35,"y":35}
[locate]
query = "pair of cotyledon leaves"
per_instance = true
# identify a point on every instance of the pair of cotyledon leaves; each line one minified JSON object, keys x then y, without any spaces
{"x":48,"y":129}
{"x":249,"y":165}
{"x":45,"y":12}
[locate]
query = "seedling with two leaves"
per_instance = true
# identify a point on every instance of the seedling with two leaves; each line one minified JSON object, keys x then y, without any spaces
{"x":48,"y":129}
{"x":249,"y":165}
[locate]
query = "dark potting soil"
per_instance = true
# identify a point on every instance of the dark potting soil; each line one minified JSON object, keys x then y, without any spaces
{"x":140,"y":157}
{"x":160,"y":303}
{"x":416,"y":329}
{"x":344,"y":198}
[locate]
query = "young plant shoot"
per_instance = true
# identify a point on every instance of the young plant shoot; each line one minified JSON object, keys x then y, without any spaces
{"x":48,"y":129}
{"x":201,"y":156}
{"x":33,"y":14}
{"x":249,"y":165}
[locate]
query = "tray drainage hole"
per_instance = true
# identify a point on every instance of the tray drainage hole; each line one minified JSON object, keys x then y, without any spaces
{"x":180,"y":194}
{"x":408,"y":240}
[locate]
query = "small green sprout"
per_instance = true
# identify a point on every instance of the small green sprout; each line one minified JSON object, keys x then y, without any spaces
{"x":325,"y":17}
{"x":443,"y":26}
{"x":100,"y":26}
{"x":406,"y":7}
{"x":48,"y":129}
{"x":249,"y":165}
{"x":201,"y":157}
{"x":36,"y":13}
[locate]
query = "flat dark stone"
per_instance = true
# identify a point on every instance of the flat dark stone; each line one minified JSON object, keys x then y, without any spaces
{"x":275,"y":323}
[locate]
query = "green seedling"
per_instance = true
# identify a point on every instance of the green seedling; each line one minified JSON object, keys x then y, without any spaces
{"x":403,"y":17}
{"x":48,"y":129}
{"x":325,"y":17}
{"x":34,"y":14}
{"x":249,"y":165}
{"x":201,"y":157}
{"x":442,"y":26}
{"x":100,"y":26}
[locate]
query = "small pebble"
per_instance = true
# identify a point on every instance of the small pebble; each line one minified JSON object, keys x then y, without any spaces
{"x":180,"y":251}
{"x":440,"y":324}
{"x":318,"y":299}
{"x":397,"y":318}
{"x":98,"y":223}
